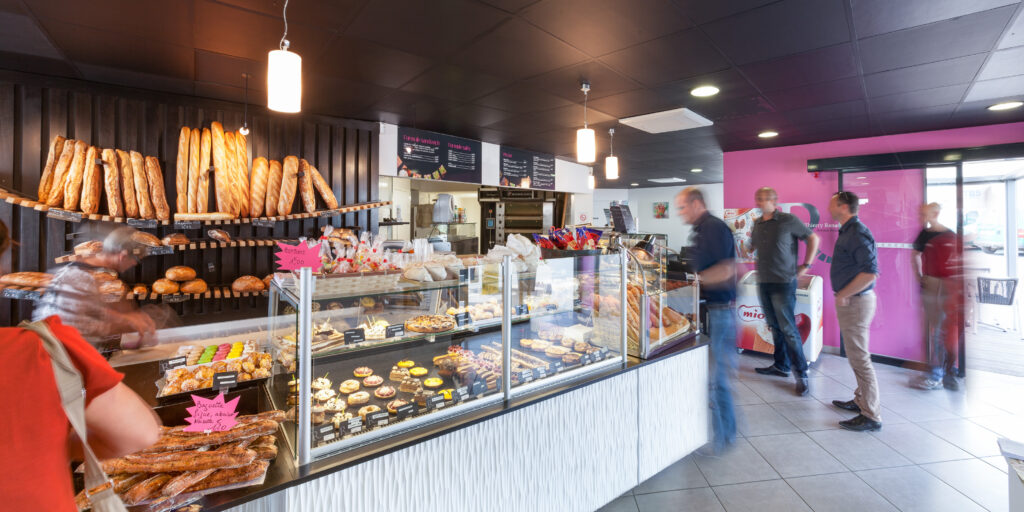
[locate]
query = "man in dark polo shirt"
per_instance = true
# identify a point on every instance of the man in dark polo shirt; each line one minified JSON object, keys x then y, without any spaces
{"x":853,"y":274}
{"x":774,"y":239}
{"x":714,"y":255}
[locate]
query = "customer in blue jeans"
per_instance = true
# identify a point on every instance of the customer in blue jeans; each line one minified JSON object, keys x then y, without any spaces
{"x":714,"y":255}
{"x":775,"y":238}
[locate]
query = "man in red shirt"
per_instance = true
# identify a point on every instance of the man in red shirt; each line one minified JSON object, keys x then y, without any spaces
{"x":937,"y":267}
{"x":38,"y":444}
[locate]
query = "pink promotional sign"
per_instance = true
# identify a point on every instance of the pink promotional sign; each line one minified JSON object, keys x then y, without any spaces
{"x":294,"y":257}
{"x":212,"y":415}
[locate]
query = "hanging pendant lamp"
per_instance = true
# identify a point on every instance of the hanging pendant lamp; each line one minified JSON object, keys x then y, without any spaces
{"x":244,"y":130}
{"x":591,"y":182}
{"x":284,"y":75}
{"x":586,"y":140}
{"x":611,"y":162}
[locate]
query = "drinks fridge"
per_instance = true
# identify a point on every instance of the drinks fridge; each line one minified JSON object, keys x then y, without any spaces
{"x":754,"y":333}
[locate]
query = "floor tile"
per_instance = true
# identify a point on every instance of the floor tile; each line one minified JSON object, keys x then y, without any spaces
{"x":1011,"y":426}
{"x":691,"y":500}
{"x":620,"y":504}
{"x":739,"y":464}
{"x":812,"y":415}
{"x":966,"y":435}
{"x":762,"y":420}
{"x":919,"y":445}
{"x":771,"y":496}
{"x":998,"y":462}
{"x":681,"y":475}
{"x":858,"y":450}
{"x":839,"y":492}
{"x":962,"y":405}
{"x":914,"y":408}
{"x":976,"y":479}
{"x":827,"y":389}
{"x":778,"y":390}
{"x":795,"y":455}
{"x":742,"y":395}
{"x":913,"y":489}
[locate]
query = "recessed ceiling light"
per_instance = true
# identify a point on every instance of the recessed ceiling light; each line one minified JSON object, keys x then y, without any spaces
{"x":768,"y":134}
{"x":634,"y":184}
{"x":704,"y":91}
{"x":1006,"y":105}
{"x":696,"y":170}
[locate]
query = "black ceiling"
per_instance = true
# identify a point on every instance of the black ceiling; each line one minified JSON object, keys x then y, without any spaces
{"x":508,"y":71}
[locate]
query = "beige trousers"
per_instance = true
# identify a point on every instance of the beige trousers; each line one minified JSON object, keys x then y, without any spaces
{"x":855,"y":326}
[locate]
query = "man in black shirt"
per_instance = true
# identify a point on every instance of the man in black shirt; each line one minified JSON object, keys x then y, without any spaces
{"x":774,"y":239}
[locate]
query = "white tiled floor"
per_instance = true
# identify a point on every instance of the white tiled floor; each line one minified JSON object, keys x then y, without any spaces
{"x":936,"y":450}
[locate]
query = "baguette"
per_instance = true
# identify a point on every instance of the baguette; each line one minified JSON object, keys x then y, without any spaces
{"x":203,"y":189}
{"x":121,"y":482}
{"x":112,"y":183}
{"x":142,"y":186}
{"x":131,"y":205}
{"x":231,"y":152}
{"x":265,"y":451}
{"x":52,"y":157}
{"x":55,"y":197}
{"x":190,"y":460}
{"x":306,"y":186}
{"x":179,"y":430}
{"x":156,"y":188}
{"x":324,"y":189}
{"x":289,"y":175}
{"x":203,"y":216}
{"x":222,"y":170}
{"x":193,"y":171}
{"x":181,"y":170}
{"x":242,"y":174}
{"x":183,"y":481}
{"x":273,"y":188}
{"x":258,"y":186}
{"x":91,"y":178}
{"x":224,"y":477}
{"x":145,"y":489}
{"x":253,"y":430}
{"x":73,"y":183}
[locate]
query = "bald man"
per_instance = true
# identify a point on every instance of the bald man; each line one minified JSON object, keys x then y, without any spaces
{"x":936,"y":264}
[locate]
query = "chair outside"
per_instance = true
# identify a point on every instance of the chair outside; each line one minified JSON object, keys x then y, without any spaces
{"x":997,"y":292}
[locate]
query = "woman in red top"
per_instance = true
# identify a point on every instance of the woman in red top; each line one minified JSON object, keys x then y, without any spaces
{"x":38,"y":443}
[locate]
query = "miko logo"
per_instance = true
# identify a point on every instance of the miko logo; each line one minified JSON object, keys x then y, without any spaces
{"x":751,"y":313}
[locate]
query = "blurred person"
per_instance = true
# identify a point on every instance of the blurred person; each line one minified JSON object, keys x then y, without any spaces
{"x":937,"y":269}
{"x":74,"y":296}
{"x":775,"y":239}
{"x":39,"y":443}
{"x":714,"y":259}
{"x":854,"y":271}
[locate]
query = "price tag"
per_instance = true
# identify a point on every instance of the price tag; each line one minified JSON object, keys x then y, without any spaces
{"x":522,"y":310}
{"x":64,"y":215}
{"x":324,"y":433}
{"x":263,"y":223}
{"x":354,"y":336}
{"x":479,"y":388}
{"x":11,"y":293}
{"x":352,"y":426}
{"x":539,"y":373}
{"x":463,"y":275}
{"x":378,"y":419}
{"x":525,"y":376}
{"x":586,"y":359}
{"x":462,"y":319}
{"x":557,"y":367}
{"x":142,"y":223}
{"x":435,"y":402}
{"x":405,"y":411}
{"x":163,"y":249}
{"x":394,"y":331}
{"x":225,"y":380}
{"x":174,"y":298}
{"x":187,"y":224}
{"x":461,"y":394}
{"x":172,"y":363}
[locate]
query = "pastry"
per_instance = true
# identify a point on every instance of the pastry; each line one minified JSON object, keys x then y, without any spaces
{"x":306,"y":186}
{"x":181,"y":170}
{"x":349,"y":386}
{"x":556,"y":351}
{"x":430,"y":323}
{"x":247,"y":284}
{"x":146,"y":239}
{"x":55,"y":193}
{"x":268,"y":279}
{"x":273,"y":188}
{"x":124,"y":164}
{"x":540,"y":345}
{"x":320,"y":383}
{"x":193,"y":170}
{"x":418,"y":371}
{"x":398,"y":374}
{"x":406,"y":363}
{"x":395,"y":404}
{"x":175,"y":239}
{"x":446,"y":367}
{"x":526,"y":342}
{"x":335,"y":405}
{"x":566,"y":342}
{"x":421,"y":397}
{"x":373,"y":381}
{"x":146,"y":210}
{"x":165,"y":287}
{"x":340,"y":418}
{"x":140,"y":289}
{"x":112,"y":183}
{"x":384,"y":392}
{"x":410,"y":385}
{"x":203,"y":188}
{"x":446,"y":393}
{"x":433,"y":382}
{"x":194,"y":286}
{"x":180,"y":273}
{"x":571,"y":358}
{"x":289,"y":178}
{"x":324,"y":395}
{"x":359,"y":397}
{"x":258,"y":186}
{"x":52,"y":157}
{"x":115,"y":287}
{"x":219,"y":235}
{"x":581,"y":346}
{"x":368,"y":410}
{"x":363,"y":371}
{"x":318,"y":414}
{"x":73,"y":182}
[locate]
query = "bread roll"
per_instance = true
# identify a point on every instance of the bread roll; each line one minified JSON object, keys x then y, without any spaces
{"x":273,"y":188}
{"x":156,"y":188}
{"x":175,"y":239}
{"x":146,"y":239}
{"x":114,"y":287}
{"x":267,"y":280}
{"x":180,"y":273}
{"x":222,"y":171}
{"x":73,"y":184}
{"x":112,"y":183}
{"x":31,"y":279}
{"x":247,"y":284}
{"x":140,"y":289}
{"x":181,"y":170}
{"x":52,"y":157}
{"x":131,"y":205}
{"x":142,"y":186}
{"x":289,"y":177}
{"x":55,"y":196}
{"x":258,"y":186}
{"x":194,"y":286}
{"x":242,"y":173}
{"x":92,"y":179}
{"x":165,"y":286}
{"x":103,"y":275}
{"x":306,"y":186}
{"x":219,"y":235}
{"x":325,"y":190}
{"x":90,"y":247}
{"x":203,"y":188}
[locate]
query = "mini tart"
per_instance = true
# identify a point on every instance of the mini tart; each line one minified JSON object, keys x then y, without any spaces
{"x":321,"y":383}
{"x":335,"y":405}
{"x":418,"y":371}
{"x":556,"y":351}
{"x":373,"y":381}
{"x":571,"y":358}
{"x":446,"y":393}
{"x":395,"y":404}
{"x":526,"y":343}
{"x":398,"y":374}
{"x":405,"y":363}
{"x":363,"y":371}
{"x":384,"y":392}
{"x":369,"y":409}
{"x":359,"y":397}
{"x":540,"y":345}
{"x":349,"y":386}
{"x":433,"y":382}
{"x":581,"y":346}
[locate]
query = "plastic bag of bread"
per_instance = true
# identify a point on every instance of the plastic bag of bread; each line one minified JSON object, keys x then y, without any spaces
{"x":437,"y":271}
{"x":180,"y":273}
{"x":175,"y":239}
{"x":194,"y":286}
{"x":218,"y":234}
{"x":165,"y":286}
{"x":146,"y":239}
{"x":247,"y":284}
{"x":417,"y":273}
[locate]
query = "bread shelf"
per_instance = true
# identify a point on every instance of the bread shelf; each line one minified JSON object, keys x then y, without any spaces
{"x":198,"y":245}
{"x":214,"y":292}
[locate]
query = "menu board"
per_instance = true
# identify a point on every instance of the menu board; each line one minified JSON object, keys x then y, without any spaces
{"x":526,"y":169}
{"x":622,"y":219}
{"x":435,"y":156}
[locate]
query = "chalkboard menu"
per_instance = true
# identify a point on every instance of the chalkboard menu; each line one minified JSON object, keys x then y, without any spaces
{"x":622,"y":219}
{"x":435,"y":156}
{"x":527,"y":169}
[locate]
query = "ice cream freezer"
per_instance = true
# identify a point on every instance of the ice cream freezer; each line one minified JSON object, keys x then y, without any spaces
{"x":754,"y":333}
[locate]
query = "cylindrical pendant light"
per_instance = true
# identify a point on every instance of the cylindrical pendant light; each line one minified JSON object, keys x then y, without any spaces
{"x":284,"y":75}
{"x":611,"y":162}
{"x":586,"y":139}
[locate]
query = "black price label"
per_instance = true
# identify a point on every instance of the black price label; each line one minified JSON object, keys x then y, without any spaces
{"x":354,"y":336}
{"x":225,"y":380}
{"x":163,"y":249}
{"x":586,"y":359}
{"x":352,"y":426}
{"x":172,"y":363}
{"x":64,"y":215}
{"x":539,"y":373}
{"x":461,"y":394}
{"x":405,"y":411}
{"x":522,"y":309}
{"x":263,"y":223}
{"x":142,"y":223}
{"x":174,"y":298}
{"x":11,"y":293}
{"x":479,"y":388}
{"x":324,"y":433}
{"x":187,"y":224}
{"x":394,"y":331}
{"x":557,"y":367}
{"x":328,"y":438}
{"x":328,"y":213}
{"x":435,"y":402}
{"x":378,"y":419}
{"x":463,"y":319}
{"x":463,"y":275}
{"x":525,"y":376}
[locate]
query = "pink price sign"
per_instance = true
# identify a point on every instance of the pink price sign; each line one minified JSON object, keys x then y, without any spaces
{"x":211,"y":415}
{"x":294,"y":257}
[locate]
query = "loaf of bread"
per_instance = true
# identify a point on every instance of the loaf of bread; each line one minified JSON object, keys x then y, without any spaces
{"x":203,"y":216}
{"x":258,"y":186}
{"x":103,"y":275}
{"x":91,"y":181}
{"x":222,"y":171}
{"x":32,"y":279}
{"x":180,"y":273}
{"x":90,"y":247}
{"x":219,"y":235}
{"x":147,"y":239}
{"x":175,"y":239}
{"x":273,"y":188}
{"x":131,"y":204}
{"x":247,"y":284}
{"x":156,"y":188}
{"x":306,"y":186}
{"x":267,"y":280}
{"x":112,"y":183}
{"x":181,"y":171}
{"x":194,"y":286}
{"x":73,"y":184}
{"x":203,"y":190}
{"x":193,"y":171}
{"x":115,"y":287}
{"x":325,"y":190}
{"x":231,"y":151}
{"x":146,"y":210}
{"x":52,"y":157}
{"x":165,"y":286}
{"x":140,"y":289}
{"x":242,"y":173}
{"x":289,"y":181}
{"x":60,"y":174}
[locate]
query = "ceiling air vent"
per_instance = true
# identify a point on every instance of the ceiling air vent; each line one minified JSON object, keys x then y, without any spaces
{"x":667,"y":121}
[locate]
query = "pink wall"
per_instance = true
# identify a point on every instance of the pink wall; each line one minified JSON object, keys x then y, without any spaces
{"x":785,"y":169}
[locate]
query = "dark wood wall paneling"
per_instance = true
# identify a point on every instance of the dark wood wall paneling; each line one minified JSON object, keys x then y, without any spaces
{"x":34,"y":109}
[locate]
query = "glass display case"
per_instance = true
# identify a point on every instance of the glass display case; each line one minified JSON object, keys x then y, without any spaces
{"x":359,"y":362}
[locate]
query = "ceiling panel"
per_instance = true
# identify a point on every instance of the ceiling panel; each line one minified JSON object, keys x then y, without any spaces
{"x":809,"y":116}
{"x":1003,"y":63}
{"x":154,"y":82}
{"x":523,"y":98}
{"x":782,"y":28}
{"x":454,"y":83}
{"x":565,"y":82}
{"x":22,"y":35}
{"x":873,"y":17}
{"x":668,"y":59}
{"x":947,"y":95}
{"x":121,"y":51}
{"x":1012,"y":86}
{"x":224,"y":29}
{"x":40,"y":65}
{"x":815,"y":66}
{"x":411,"y":107}
{"x":703,"y":11}
{"x":437,"y":29}
{"x":637,"y":102}
{"x":227,"y":70}
{"x":475,"y":115}
{"x":328,"y":14}
{"x":334,"y":95}
{"x":585,"y":24}
{"x":362,"y":60}
{"x":511,"y":6}
{"x":836,"y":91}
{"x":1014,"y":34}
{"x":925,"y":76}
{"x":168,"y":22}
{"x":518,"y":50}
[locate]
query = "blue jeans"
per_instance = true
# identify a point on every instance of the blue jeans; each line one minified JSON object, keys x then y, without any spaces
{"x":778,"y":302}
{"x":723,"y":364}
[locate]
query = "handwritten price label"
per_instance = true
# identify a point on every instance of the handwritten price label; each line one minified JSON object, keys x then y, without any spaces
{"x":294,"y":257}
{"x":212,"y":415}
